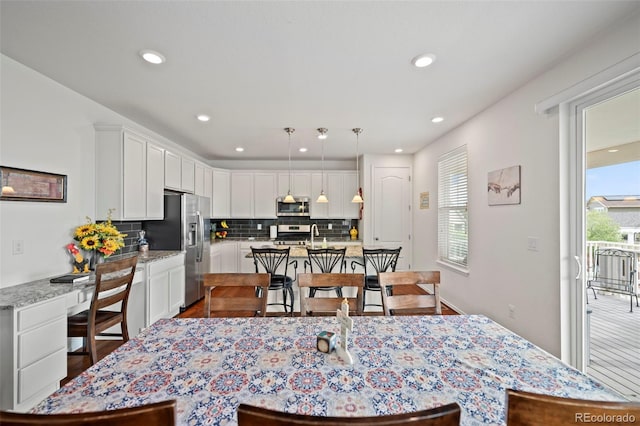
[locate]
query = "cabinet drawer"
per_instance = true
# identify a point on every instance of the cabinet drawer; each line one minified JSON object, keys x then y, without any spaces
{"x":160,"y":266}
{"x":42,"y":313}
{"x":41,"y":374}
{"x":41,"y":341}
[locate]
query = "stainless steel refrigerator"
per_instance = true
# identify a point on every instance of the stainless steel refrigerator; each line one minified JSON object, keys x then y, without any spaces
{"x":186,"y":226}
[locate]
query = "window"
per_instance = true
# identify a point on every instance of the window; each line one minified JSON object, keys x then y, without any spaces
{"x":453,"y":229}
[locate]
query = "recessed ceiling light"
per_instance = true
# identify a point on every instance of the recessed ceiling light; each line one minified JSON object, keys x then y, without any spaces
{"x":437,"y":119}
{"x":239,"y":149}
{"x":303,"y":150}
{"x":203,"y":117}
{"x":612,"y":150}
{"x":152,"y":57}
{"x":422,"y":61}
{"x":398,"y":150}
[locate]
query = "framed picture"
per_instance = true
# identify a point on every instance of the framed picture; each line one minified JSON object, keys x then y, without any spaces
{"x":31,"y":185}
{"x":504,"y":186}
{"x":424,"y":200}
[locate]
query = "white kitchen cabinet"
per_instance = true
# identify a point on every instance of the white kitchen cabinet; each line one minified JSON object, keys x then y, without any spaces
{"x":33,"y":352}
{"x":224,"y":257}
{"x":245,"y":263}
{"x":172,"y":171}
{"x":221,"y":198}
{"x":242,"y":195}
{"x":165,"y":287}
{"x":300,"y":184}
{"x":339,"y":187}
{"x":155,"y":182}
{"x":126,"y":181}
{"x":188,"y":173}
{"x":319,"y":183}
{"x":264,"y":195}
{"x":253,"y":195}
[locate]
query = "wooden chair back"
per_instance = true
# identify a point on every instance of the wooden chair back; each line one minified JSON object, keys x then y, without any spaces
{"x":446,"y":415}
{"x":526,"y":408}
{"x":112,"y":287}
{"x":394,"y":303}
{"x":329,"y":305}
{"x":253,"y":298}
{"x":156,"y":414}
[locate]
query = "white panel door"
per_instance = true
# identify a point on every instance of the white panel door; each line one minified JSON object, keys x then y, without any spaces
{"x":391,"y":210}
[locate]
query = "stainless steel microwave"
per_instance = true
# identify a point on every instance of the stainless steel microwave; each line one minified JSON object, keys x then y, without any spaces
{"x":300,"y":207}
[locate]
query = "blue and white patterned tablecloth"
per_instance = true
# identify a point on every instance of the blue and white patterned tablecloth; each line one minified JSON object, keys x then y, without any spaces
{"x":400,"y":364}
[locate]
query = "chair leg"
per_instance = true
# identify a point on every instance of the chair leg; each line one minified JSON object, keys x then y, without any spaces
{"x":290,"y":289}
{"x":339,"y":292}
{"x":93,"y":352}
{"x":284,"y":299}
{"x":312,"y":291}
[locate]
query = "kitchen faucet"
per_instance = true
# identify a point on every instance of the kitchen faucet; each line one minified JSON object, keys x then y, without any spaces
{"x":317,"y":234}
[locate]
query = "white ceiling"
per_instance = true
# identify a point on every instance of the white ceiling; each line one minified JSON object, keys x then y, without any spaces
{"x":257,"y":67}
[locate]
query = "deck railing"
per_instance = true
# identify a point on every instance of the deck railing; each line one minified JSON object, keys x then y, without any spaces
{"x":592,"y":246}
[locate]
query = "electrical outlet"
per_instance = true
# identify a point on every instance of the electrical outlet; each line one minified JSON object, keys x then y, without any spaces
{"x":532,"y":243}
{"x":330,"y":226}
{"x":259,"y":227}
{"x":18,"y":247}
{"x":512,"y":311}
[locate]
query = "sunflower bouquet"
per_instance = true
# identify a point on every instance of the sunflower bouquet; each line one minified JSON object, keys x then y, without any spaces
{"x":101,"y":237}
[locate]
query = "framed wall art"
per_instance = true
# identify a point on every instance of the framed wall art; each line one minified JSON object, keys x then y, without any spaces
{"x":31,"y":185}
{"x":503,"y":186}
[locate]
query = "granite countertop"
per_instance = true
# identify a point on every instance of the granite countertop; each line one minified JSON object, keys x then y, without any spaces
{"x":301,"y":251}
{"x":21,"y":295}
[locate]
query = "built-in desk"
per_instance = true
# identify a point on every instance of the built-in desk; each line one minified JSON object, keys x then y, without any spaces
{"x":33,"y":330}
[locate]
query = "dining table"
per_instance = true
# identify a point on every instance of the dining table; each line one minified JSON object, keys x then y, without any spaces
{"x":400,"y":364}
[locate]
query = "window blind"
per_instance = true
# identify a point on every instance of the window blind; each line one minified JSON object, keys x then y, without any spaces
{"x":453,"y":230}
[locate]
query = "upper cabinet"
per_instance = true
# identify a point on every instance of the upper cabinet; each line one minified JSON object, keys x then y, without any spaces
{"x":179,"y":172}
{"x":172,"y":171}
{"x":204,"y":182}
{"x":253,"y":195}
{"x":187,"y":180}
{"x":221,"y":197}
{"x":129,"y":180}
{"x":339,"y":187}
{"x":300,"y":184}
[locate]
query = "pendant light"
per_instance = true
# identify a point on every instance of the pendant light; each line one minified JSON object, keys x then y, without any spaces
{"x":322,"y":198}
{"x":357,"y":198}
{"x":289,"y":197}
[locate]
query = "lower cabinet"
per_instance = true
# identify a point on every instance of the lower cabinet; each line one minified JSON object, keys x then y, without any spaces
{"x":33,"y":353}
{"x":165,"y":288}
{"x":246,"y":263}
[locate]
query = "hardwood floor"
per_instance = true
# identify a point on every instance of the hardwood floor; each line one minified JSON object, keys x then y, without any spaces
{"x":77,"y":364}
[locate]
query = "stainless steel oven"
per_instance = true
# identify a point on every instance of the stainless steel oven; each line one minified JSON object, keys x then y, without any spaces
{"x":300,"y":207}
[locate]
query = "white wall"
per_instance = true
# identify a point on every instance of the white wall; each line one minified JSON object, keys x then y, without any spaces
{"x":502,"y":270}
{"x":47,"y":127}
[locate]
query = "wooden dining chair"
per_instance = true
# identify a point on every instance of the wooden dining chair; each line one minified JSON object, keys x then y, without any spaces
{"x":529,"y":409}
{"x":328,"y":305}
{"x":108,"y":306}
{"x":373,"y":262}
{"x":445,"y":415}
{"x":250,"y":295}
{"x":394,"y":303}
{"x":325,"y":260}
{"x":156,"y":414}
